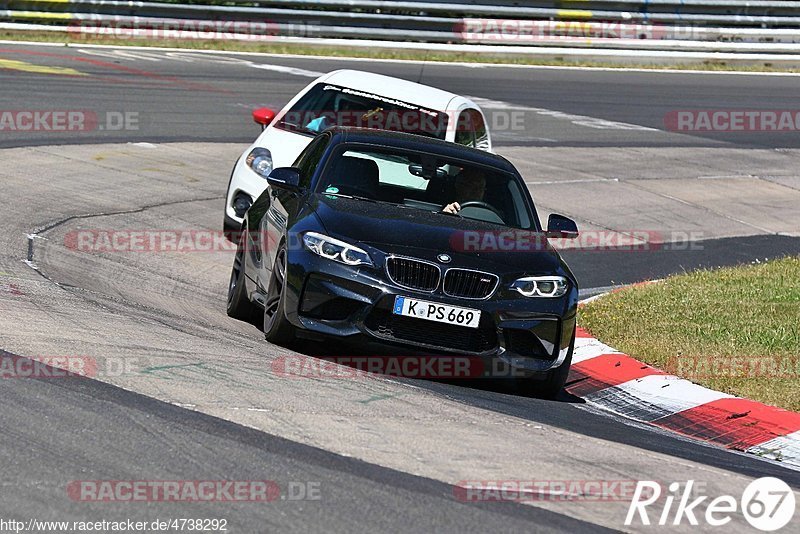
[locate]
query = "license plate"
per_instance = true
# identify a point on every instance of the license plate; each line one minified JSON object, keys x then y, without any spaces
{"x":432,"y":311}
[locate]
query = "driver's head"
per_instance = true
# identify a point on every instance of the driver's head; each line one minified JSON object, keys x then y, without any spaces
{"x":470,"y":185}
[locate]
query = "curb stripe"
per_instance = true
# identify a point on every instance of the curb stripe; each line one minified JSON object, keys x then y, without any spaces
{"x":601,"y":372}
{"x":587,"y":348}
{"x":655,"y":397}
{"x":582,"y":333}
{"x":733,"y":422}
{"x":614,"y":381}
{"x":785,"y":449}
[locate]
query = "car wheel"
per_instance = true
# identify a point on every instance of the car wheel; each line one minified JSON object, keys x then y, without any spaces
{"x":239,"y":305}
{"x":230,"y":228}
{"x":277,"y":329}
{"x":552,"y":384}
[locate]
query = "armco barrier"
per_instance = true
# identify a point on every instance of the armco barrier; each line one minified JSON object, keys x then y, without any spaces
{"x":758,"y":26}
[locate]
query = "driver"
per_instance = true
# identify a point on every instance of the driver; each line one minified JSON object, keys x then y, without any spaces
{"x":470,"y":185}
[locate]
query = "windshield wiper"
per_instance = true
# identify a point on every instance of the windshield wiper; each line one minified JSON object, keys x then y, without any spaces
{"x":297,"y":128}
{"x":355,"y":197}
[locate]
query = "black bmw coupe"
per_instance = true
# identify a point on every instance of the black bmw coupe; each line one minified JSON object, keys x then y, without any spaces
{"x":414,"y":243}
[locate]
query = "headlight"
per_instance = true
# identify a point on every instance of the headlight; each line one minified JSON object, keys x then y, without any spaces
{"x":260,"y":160}
{"x":335,"y":250}
{"x":542,"y":286}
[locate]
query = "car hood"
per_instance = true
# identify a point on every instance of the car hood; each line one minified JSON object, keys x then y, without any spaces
{"x":285,"y":146}
{"x":423,"y":234}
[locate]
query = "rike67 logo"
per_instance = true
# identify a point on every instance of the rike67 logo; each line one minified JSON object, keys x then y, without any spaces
{"x":767,"y":504}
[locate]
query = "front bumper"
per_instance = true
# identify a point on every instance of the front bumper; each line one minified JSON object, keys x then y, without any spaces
{"x":528,"y":334}
{"x":244,"y":181}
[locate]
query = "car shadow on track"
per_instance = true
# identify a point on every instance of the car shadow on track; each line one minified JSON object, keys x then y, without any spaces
{"x":567,"y":412}
{"x":386,"y":361}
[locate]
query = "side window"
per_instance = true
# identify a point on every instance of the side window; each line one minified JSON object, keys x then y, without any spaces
{"x":308,"y":159}
{"x":479,"y":127}
{"x":464,"y":129}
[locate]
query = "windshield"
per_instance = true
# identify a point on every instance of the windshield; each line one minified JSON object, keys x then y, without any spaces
{"x":428,"y":182}
{"x":327,"y":105}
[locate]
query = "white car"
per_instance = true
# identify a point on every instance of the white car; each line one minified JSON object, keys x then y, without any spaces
{"x":348,"y":97}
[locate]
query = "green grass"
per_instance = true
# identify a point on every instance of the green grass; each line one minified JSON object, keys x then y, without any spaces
{"x":358,"y":52}
{"x":735,"y":329}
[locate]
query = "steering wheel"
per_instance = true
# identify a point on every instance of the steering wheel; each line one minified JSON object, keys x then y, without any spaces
{"x":482,"y":204}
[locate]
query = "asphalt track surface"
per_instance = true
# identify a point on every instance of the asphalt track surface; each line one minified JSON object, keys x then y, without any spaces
{"x":385,"y":453}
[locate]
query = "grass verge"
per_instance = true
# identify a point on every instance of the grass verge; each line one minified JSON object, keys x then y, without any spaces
{"x":359,"y":52}
{"x":734,"y":329}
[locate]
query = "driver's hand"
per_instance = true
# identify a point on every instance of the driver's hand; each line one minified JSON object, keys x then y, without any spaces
{"x":453,"y":208}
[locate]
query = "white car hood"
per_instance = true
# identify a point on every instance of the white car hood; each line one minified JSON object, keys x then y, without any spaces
{"x":285,"y":146}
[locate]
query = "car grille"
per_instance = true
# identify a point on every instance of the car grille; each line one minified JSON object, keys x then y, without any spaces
{"x":430,"y":333}
{"x":469,"y":284}
{"x":413,"y":274}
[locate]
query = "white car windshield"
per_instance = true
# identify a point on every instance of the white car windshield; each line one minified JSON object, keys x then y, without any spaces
{"x":327,"y":105}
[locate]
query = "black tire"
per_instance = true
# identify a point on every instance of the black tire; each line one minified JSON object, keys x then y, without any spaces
{"x":277,"y":329}
{"x":230,"y":229}
{"x":239,"y":305}
{"x":552,"y":384}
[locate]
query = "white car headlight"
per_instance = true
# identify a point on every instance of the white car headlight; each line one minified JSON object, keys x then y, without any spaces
{"x":335,"y":250}
{"x":542,"y":286}
{"x":260,"y":160}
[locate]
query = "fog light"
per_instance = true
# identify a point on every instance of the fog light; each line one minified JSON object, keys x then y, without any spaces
{"x":241,"y":203}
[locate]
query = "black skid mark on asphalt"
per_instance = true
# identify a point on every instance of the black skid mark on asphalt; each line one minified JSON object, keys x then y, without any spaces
{"x":37,"y":233}
{"x":156,"y":313}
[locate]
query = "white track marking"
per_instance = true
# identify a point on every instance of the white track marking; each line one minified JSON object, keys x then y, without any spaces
{"x":587,"y":348}
{"x":785,"y":449}
{"x":460,"y":64}
{"x":191,"y":57}
{"x":578,"y":120}
{"x":124,"y":55}
{"x":664,"y":394}
{"x":287,"y":70}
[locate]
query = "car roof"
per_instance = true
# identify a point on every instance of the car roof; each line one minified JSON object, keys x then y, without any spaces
{"x":414,"y":142}
{"x":397,"y":88}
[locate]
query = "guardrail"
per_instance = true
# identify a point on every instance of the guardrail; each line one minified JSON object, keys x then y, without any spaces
{"x":699,"y":25}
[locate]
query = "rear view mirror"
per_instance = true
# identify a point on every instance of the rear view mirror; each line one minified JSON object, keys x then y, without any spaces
{"x":561,"y":227}
{"x":263,"y":116}
{"x":418,"y":170}
{"x":287,"y":178}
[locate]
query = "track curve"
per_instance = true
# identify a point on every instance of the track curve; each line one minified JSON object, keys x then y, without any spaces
{"x":159,"y":318}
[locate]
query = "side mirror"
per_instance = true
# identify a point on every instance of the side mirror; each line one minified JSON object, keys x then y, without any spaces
{"x":562,"y":227}
{"x":287,"y":178}
{"x":263,"y":116}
